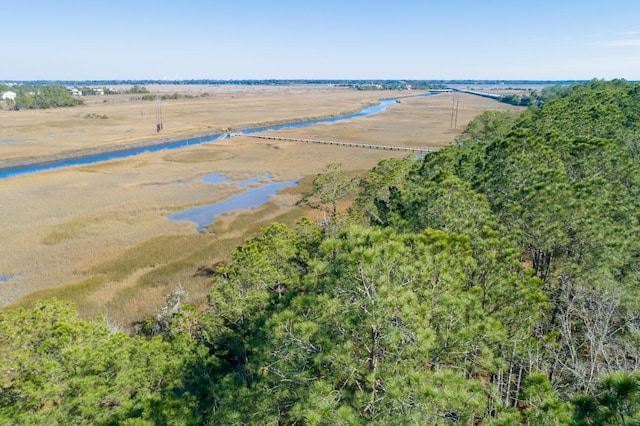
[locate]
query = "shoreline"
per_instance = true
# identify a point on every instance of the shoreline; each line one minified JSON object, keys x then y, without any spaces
{"x":9,"y":165}
{"x":13,"y":164}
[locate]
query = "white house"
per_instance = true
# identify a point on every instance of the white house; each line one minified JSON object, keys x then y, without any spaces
{"x":9,"y":95}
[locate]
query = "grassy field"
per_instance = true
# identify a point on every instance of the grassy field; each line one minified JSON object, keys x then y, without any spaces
{"x":99,"y":235}
{"x":106,"y":121}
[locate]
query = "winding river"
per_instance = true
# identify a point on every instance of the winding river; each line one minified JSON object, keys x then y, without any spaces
{"x":257,"y":191}
{"x":97,"y":158}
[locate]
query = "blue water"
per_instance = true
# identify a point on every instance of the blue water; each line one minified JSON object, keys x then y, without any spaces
{"x":371,"y":110}
{"x":255,"y":197}
{"x":5,"y":278}
{"x":217,"y":179}
{"x":256,"y":180}
{"x":90,"y":159}
{"x":252,"y":197}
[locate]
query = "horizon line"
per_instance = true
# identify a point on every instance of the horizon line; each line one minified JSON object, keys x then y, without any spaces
{"x":302,"y":80}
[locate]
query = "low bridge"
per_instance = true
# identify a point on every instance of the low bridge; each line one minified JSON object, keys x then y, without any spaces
{"x":475,"y":92}
{"x":346,"y":144}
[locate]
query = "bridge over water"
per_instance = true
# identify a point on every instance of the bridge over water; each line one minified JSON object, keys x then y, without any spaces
{"x":477,"y":93}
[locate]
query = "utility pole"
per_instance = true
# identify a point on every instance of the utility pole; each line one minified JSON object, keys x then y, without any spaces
{"x":158,"y":114}
{"x":455,"y":101}
{"x":455,"y":122}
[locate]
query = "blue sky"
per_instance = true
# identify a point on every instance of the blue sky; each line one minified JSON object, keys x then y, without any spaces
{"x":241,"y":39}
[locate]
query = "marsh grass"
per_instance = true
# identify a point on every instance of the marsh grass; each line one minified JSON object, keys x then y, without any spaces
{"x":131,"y":287}
{"x":102,"y":228}
{"x":132,"y":120}
{"x":183,"y":257}
{"x":84,"y":226}
{"x":151,"y":253}
{"x":245,"y":221}
{"x":106,"y":166}
{"x":77,"y":293}
{"x":199,"y":156}
{"x":64,"y":232}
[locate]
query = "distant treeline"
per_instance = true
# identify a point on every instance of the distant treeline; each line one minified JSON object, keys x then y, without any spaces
{"x":46,"y":96}
{"x":175,"y":95}
{"x":284,"y":82}
{"x":398,"y":85}
{"x":40,"y":96}
{"x":533,"y":97}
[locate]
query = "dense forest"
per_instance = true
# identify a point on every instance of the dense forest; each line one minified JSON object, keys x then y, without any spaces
{"x":493,"y":282}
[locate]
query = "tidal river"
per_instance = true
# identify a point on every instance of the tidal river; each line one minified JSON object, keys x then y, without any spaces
{"x":97,"y":158}
{"x":254,"y":195}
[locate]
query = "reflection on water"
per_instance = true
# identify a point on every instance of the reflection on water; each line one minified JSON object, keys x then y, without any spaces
{"x":215,"y":179}
{"x":253,"y":197}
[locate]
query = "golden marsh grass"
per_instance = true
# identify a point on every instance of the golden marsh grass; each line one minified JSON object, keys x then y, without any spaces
{"x":99,"y":235}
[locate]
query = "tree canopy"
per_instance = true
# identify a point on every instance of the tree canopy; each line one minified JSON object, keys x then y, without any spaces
{"x":43,"y":97}
{"x":492,"y":282}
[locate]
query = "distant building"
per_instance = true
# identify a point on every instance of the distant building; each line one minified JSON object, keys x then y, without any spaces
{"x":9,"y":95}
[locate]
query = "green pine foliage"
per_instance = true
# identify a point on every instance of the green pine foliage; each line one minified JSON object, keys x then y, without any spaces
{"x":492,"y":282}
{"x":58,"y":369}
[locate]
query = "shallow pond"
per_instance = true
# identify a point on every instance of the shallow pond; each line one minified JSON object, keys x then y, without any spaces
{"x":252,"y":197}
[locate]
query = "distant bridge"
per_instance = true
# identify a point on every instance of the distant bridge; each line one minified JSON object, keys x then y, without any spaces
{"x":346,"y":144}
{"x":474,"y":92}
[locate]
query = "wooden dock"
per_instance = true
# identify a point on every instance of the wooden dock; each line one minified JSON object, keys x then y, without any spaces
{"x":346,"y":144}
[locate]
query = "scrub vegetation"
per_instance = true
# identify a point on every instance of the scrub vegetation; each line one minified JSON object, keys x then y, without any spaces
{"x":492,"y":282}
{"x":40,"y":97}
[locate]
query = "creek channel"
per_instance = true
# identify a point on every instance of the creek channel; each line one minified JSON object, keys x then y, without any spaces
{"x":258,"y":189}
{"x":106,"y":156}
